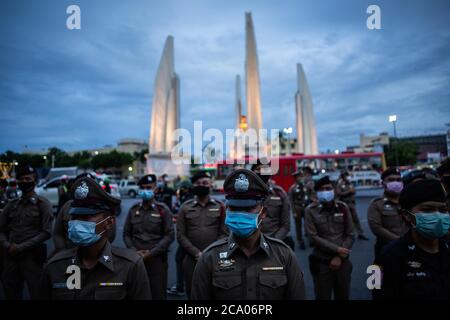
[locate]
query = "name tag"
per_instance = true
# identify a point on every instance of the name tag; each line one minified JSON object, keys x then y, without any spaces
{"x":110,"y":284}
{"x":275,"y":198}
{"x":338,"y":214}
{"x":156,"y":215}
{"x":272,"y":268}
{"x":217,"y":209}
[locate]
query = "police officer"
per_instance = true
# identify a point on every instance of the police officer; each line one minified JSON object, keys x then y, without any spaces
{"x":247,"y":265}
{"x":184,"y":193}
{"x":444,"y":175}
{"x":60,"y":237}
{"x":25,"y":224}
{"x":299,"y":197}
{"x":277,"y":223}
{"x":163,"y":192}
{"x":94,"y":270}
{"x":345,"y":192}
{"x":149,"y":231}
{"x":200,"y":222}
{"x":330,"y":226}
{"x":417,"y":265}
{"x":383,"y":216}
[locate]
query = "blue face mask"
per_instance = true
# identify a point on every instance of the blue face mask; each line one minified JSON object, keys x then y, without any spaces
{"x":82,"y":233}
{"x":325,"y":196}
{"x":433,"y":225}
{"x":242,"y":224}
{"x":146,"y":194}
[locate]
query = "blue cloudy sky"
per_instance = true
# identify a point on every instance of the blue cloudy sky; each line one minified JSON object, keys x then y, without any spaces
{"x":90,"y":87}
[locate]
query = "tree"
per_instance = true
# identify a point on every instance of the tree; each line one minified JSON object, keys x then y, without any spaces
{"x":113,"y":159}
{"x":407,"y":152}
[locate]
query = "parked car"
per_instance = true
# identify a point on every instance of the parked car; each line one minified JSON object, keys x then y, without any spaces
{"x":128,"y":188}
{"x":49,"y":190}
{"x":112,"y":183}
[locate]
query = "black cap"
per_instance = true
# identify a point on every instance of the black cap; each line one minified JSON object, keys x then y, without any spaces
{"x":89,"y":198}
{"x":390,"y":172}
{"x":425,"y":173}
{"x":421,"y":191}
{"x":22,"y":171}
{"x":147,"y":179}
{"x":244,"y":188}
{"x":321,"y":182}
{"x":444,"y":168}
{"x":200,"y":174}
{"x":87,"y":174}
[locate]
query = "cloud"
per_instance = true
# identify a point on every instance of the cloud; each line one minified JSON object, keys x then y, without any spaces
{"x":88,"y":88}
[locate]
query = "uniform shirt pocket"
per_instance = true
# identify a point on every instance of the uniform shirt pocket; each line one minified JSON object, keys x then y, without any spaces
{"x":110,"y":293}
{"x":31,"y":216}
{"x":193,"y":218}
{"x":212,"y":217}
{"x":272,"y":285}
{"x":153,"y":224}
{"x":227,"y":286}
{"x":390,"y":218}
{"x":321,"y":223}
{"x":339,"y":222}
{"x":63,"y":294}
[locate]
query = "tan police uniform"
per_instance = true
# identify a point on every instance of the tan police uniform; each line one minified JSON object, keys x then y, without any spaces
{"x":197,"y":227}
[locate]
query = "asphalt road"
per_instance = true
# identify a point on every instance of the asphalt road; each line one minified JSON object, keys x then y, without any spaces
{"x":361,"y":255}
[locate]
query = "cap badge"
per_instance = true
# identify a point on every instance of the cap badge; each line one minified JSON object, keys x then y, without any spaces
{"x":81,"y":192}
{"x":241,"y":183}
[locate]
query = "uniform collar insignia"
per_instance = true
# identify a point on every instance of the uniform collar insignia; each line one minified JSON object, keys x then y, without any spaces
{"x":107,"y":258}
{"x":264,"y":245}
{"x":412,"y":247}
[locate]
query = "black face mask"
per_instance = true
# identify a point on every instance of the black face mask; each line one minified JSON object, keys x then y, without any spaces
{"x":26,"y":186}
{"x":200,"y":191}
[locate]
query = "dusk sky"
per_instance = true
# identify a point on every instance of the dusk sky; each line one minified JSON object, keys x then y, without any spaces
{"x":78,"y":89}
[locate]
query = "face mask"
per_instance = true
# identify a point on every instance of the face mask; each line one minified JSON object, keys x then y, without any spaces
{"x":82,"y":233}
{"x":26,"y":186}
{"x":200,"y":191}
{"x":242,"y":224}
{"x":433,"y":225}
{"x":394,"y":187}
{"x":325,"y":196}
{"x":146,"y":194}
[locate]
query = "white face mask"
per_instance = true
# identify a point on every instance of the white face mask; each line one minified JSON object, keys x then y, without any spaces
{"x":325,"y":196}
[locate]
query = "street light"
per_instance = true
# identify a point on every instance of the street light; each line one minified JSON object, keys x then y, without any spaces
{"x":288,"y":131}
{"x":393,"y":119}
{"x":130,"y":169}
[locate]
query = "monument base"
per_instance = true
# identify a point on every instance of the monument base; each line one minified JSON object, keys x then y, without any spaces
{"x":159,"y":164}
